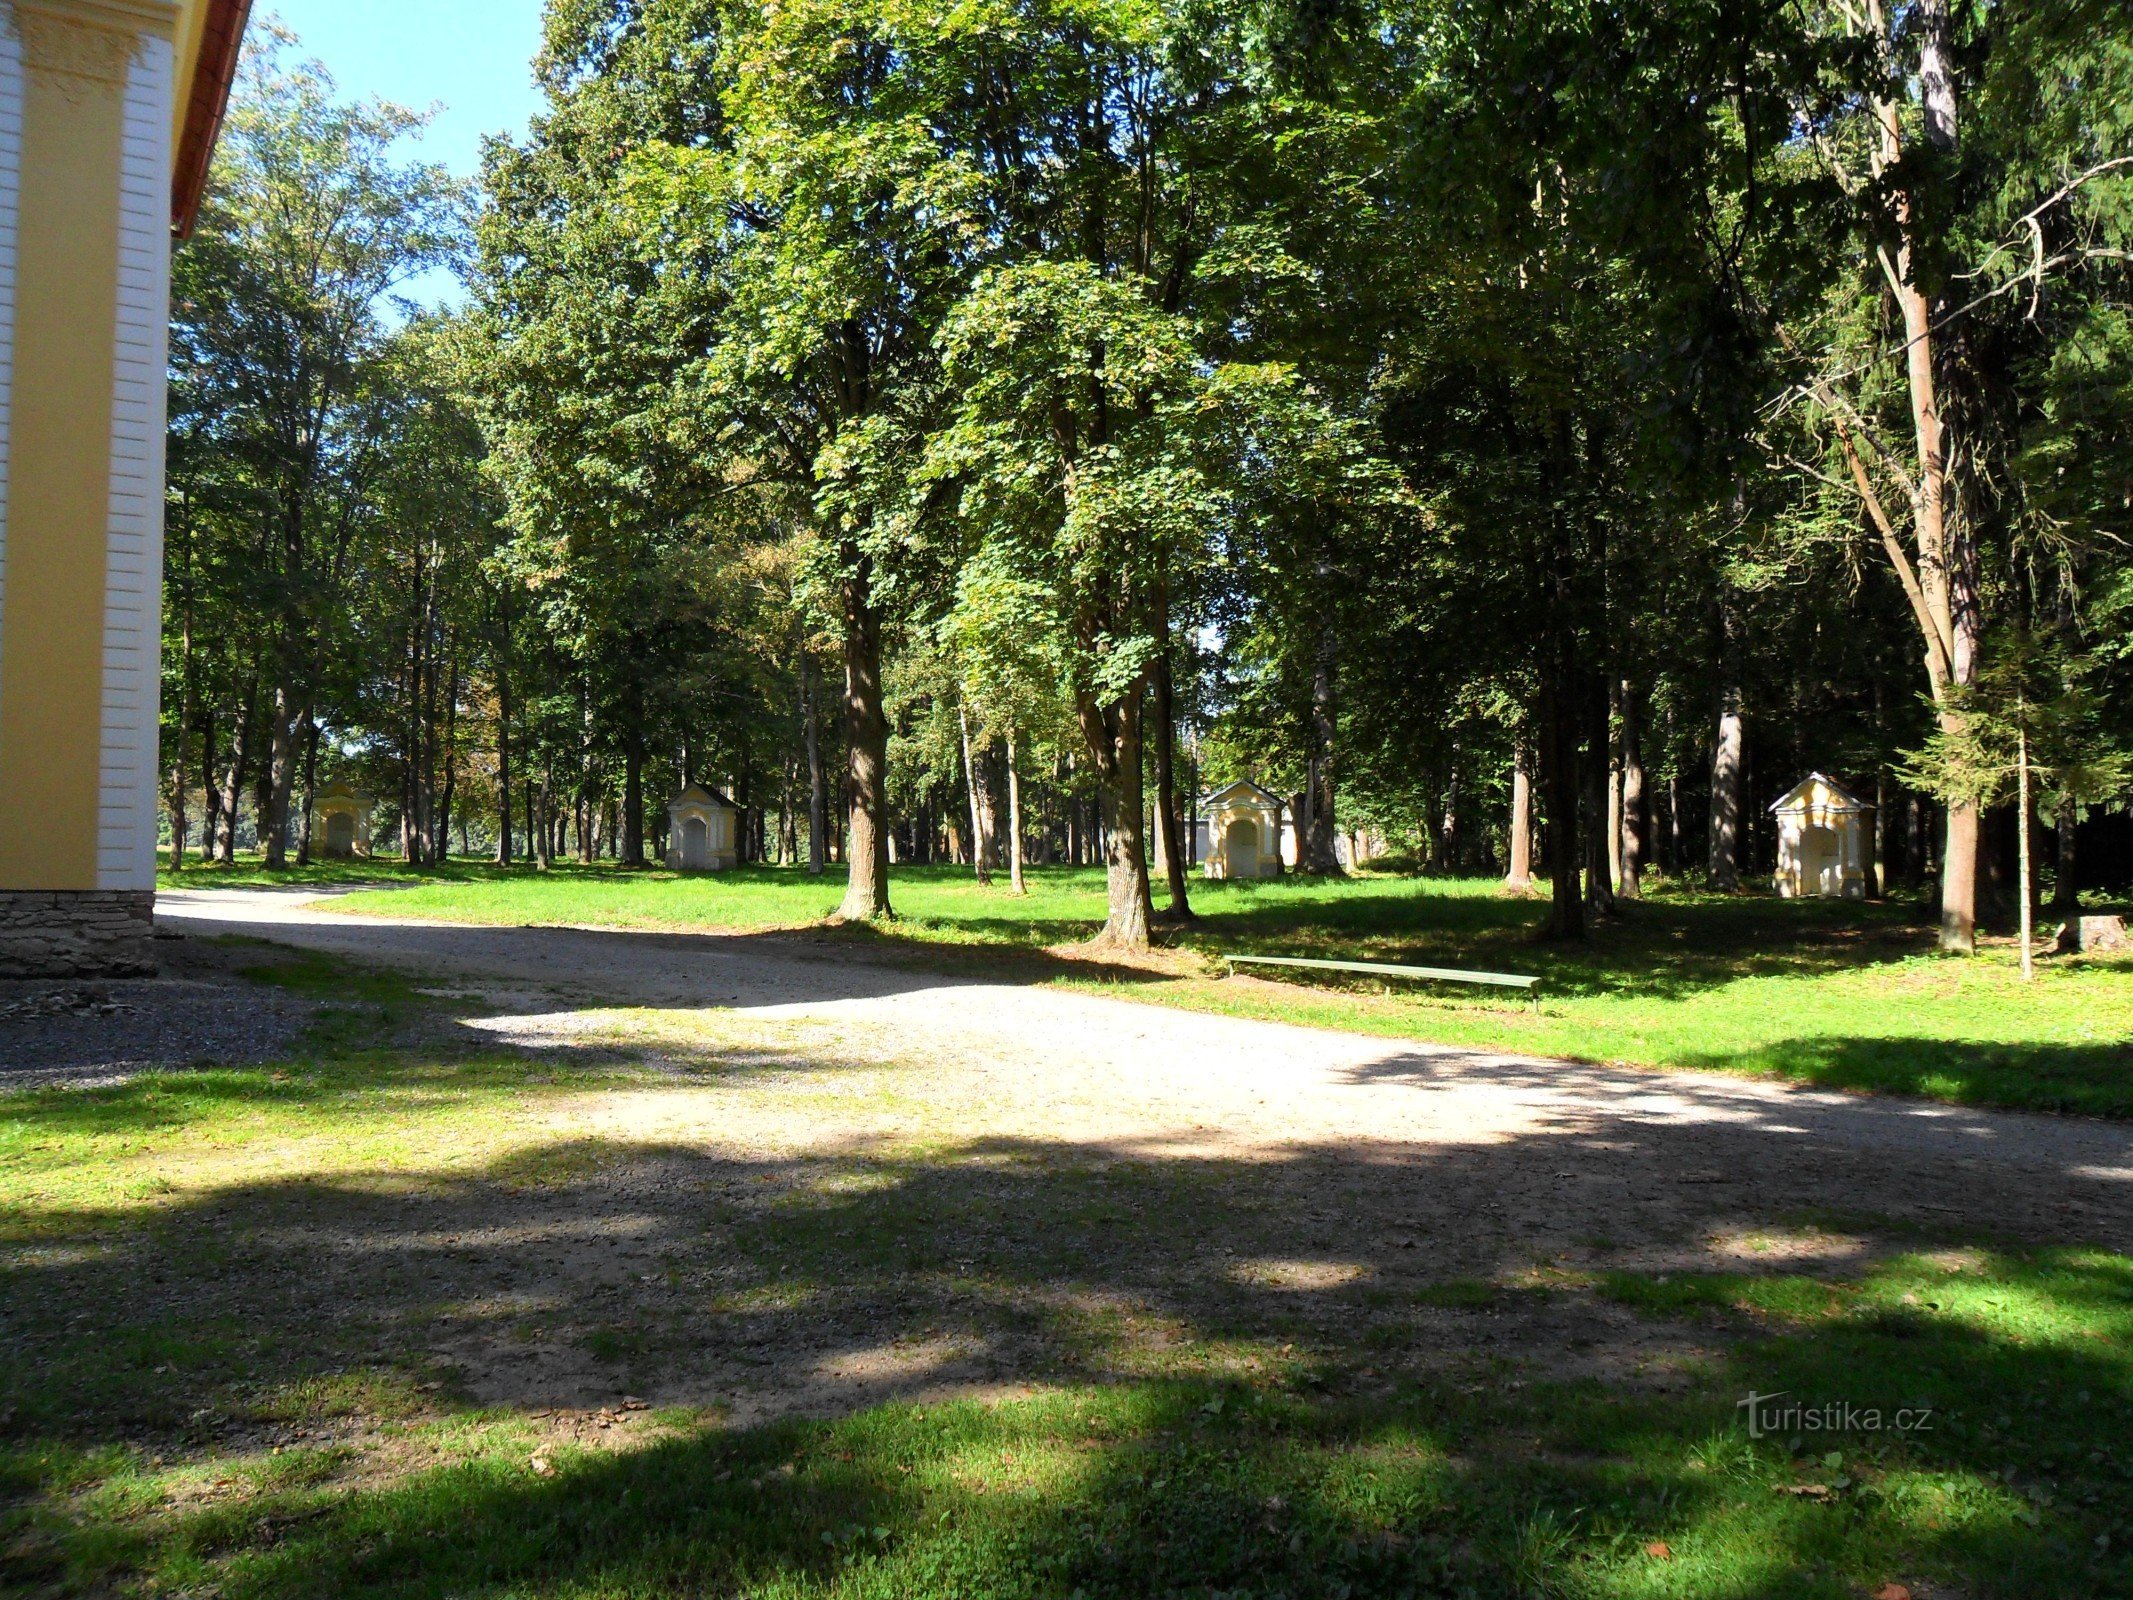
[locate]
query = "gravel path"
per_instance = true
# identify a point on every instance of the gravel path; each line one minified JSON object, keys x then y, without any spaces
{"x":1033,"y":1063}
{"x":91,"y":1034}
{"x":847,"y":1179}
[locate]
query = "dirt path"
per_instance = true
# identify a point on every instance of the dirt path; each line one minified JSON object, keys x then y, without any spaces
{"x":1122,"y":1070}
{"x":986,"y":1183}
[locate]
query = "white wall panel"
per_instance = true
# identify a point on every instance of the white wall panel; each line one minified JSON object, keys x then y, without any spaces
{"x":10,"y":209}
{"x":126,"y":838}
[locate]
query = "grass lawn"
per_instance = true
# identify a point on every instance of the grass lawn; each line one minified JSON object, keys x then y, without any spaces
{"x":377,"y":1321}
{"x":1844,"y":995}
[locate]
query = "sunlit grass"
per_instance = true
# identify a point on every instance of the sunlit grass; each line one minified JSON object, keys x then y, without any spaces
{"x":248,"y":871}
{"x":1966,"y":1031}
{"x":936,"y":904}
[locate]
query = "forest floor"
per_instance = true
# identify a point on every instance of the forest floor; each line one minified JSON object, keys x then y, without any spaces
{"x":1839,"y":994}
{"x":556,"y":1262}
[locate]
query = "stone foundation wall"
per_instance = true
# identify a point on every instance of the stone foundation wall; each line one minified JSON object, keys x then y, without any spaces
{"x":77,"y":933}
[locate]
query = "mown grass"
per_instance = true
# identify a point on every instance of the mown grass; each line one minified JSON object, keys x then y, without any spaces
{"x":248,"y":872}
{"x":1144,"y":1490}
{"x":179,"y":1416}
{"x":1844,"y":995}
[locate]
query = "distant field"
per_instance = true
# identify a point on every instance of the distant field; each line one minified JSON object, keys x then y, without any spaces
{"x":1839,"y":994}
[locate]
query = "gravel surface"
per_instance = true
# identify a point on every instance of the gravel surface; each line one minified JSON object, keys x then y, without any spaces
{"x":93,"y":1033}
{"x":1041,"y":1062}
{"x":852,"y":1180}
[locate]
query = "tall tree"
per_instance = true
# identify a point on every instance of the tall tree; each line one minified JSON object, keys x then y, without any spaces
{"x":281,"y":297}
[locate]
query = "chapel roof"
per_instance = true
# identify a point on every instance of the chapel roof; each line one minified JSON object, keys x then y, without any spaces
{"x":1835,"y":797}
{"x":1241,"y":786}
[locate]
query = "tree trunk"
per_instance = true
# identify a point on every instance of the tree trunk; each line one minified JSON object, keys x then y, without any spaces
{"x":1726,"y":793}
{"x":1559,"y":770}
{"x":259,"y":798}
{"x":1062,"y":775}
{"x":1677,"y":833}
{"x":748,"y":836}
{"x":1519,"y":880}
{"x":1634,"y":790}
{"x":1674,"y":852}
{"x":1113,"y":736}
{"x":1167,"y":813}
{"x":866,"y":894}
{"x":1958,"y":880}
{"x":303,"y":847}
{"x":1614,"y":822}
{"x":177,"y":745}
{"x":503,"y":769}
{"x":2023,"y":879}
{"x":411,"y":744}
{"x":633,"y":789}
{"x":410,"y":848}
{"x":1014,"y":818}
{"x":2066,"y":888}
{"x":1168,"y":845}
{"x":284,"y":717}
{"x":233,"y":783}
{"x":1447,"y":822}
{"x":544,"y":833}
{"x":980,"y":844}
{"x":178,"y":824}
{"x":262,"y":796}
{"x":1947,"y":544}
{"x":441,"y":825}
{"x":817,"y":780}
{"x":1561,"y":682}
{"x":788,"y":822}
{"x":210,"y":791}
{"x":1877,"y":839}
{"x":1598,"y":772}
{"x":1316,"y":847}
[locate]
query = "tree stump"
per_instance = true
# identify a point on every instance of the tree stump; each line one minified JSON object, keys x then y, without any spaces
{"x":2084,"y":934}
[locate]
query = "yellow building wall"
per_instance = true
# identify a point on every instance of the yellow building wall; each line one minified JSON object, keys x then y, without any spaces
{"x":86,"y":105}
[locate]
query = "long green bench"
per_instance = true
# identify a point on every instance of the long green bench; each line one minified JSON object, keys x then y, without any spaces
{"x":1499,"y":980}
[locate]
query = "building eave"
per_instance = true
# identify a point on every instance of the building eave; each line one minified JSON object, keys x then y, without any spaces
{"x":213,"y":68}
{"x":1847,"y":801}
{"x":1212,"y":796}
{"x":702,"y":794}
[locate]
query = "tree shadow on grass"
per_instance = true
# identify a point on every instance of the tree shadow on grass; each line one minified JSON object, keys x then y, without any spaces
{"x":1923,"y":1080}
{"x":1347,"y":1368}
{"x":1189,"y":1489}
{"x":2087,"y":1079}
{"x":643,"y":967}
{"x":1666,"y":948}
{"x":1671,"y":946}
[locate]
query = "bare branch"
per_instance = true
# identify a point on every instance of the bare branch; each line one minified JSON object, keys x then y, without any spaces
{"x":1940,"y":647}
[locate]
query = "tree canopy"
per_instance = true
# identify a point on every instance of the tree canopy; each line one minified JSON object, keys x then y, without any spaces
{"x":1520,"y":437}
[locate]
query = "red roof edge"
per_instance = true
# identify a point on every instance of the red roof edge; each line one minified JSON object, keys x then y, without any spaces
{"x":221,"y":37}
